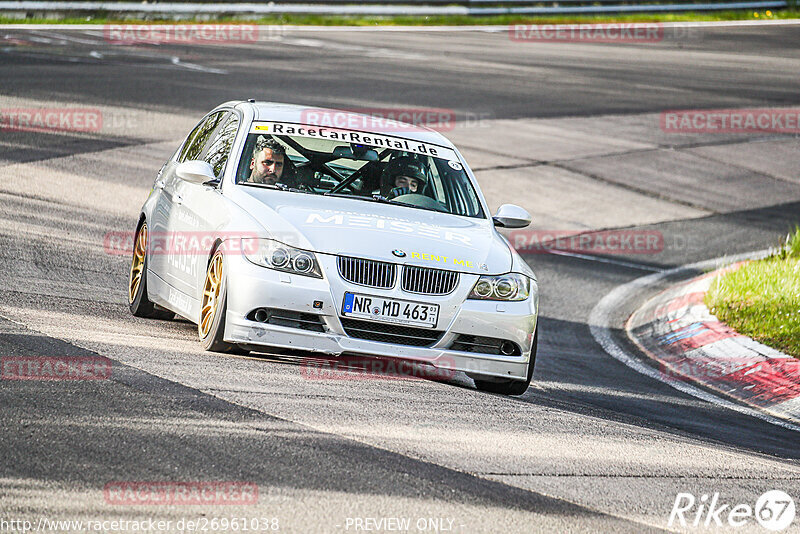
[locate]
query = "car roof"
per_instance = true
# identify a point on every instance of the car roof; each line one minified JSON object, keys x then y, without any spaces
{"x":294,"y":113}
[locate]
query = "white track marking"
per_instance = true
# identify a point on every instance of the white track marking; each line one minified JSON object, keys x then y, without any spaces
{"x":600,"y":326}
{"x":192,"y":66}
{"x":71,"y":38}
{"x":600,"y":259}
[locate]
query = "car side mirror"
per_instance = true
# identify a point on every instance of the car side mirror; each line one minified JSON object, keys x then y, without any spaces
{"x":195,"y":172}
{"x":511,"y":216}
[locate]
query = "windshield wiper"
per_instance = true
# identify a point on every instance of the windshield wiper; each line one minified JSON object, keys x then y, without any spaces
{"x":279,"y":187}
{"x":284,"y":187}
{"x":349,"y":195}
{"x":372,"y":198}
{"x":383,"y":200}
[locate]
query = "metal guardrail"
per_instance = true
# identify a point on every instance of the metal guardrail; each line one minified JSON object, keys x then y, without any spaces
{"x":383,"y":8}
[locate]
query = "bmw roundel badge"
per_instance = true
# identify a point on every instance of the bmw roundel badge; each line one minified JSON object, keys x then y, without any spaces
{"x":399,"y":253}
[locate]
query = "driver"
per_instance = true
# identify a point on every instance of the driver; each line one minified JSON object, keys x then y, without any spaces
{"x":402,"y":176}
{"x":267,"y":163}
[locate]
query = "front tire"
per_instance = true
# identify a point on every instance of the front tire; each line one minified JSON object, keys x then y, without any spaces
{"x":511,"y":387}
{"x":214,"y":308}
{"x":138,"y":302}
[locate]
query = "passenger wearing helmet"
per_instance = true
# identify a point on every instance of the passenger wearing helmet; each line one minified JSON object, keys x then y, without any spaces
{"x":402,"y":176}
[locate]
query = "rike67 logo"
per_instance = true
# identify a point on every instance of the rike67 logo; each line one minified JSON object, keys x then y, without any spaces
{"x":774,"y":511}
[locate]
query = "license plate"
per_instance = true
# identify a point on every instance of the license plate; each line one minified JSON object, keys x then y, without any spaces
{"x":390,"y":310}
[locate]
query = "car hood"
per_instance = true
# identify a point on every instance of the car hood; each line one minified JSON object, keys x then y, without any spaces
{"x":379,"y":231}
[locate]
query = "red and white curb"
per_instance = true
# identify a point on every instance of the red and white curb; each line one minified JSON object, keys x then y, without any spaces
{"x":604,"y":325}
{"x":689,"y":344}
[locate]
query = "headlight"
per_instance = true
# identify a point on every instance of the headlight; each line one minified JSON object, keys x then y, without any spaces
{"x":511,"y":286}
{"x":276,"y":255}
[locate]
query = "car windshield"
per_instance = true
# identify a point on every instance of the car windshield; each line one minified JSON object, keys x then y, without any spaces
{"x":365,"y":166}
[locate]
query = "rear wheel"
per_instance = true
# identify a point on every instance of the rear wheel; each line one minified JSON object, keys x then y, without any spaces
{"x":511,"y":387}
{"x":214,"y":307}
{"x":138,"y":302}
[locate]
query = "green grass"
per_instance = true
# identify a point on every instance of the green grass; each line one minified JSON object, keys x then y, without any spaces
{"x":761,"y":299}
{"x":504,"y":20}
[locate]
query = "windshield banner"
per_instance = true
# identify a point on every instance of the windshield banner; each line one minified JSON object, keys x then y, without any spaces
{"x":373,"y":140}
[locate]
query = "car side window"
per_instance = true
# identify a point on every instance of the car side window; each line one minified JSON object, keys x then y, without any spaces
{"x":199,"y":136}
{"x":219,"y":149}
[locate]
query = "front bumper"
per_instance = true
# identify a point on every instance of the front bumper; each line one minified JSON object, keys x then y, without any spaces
{"x":251,"y":287}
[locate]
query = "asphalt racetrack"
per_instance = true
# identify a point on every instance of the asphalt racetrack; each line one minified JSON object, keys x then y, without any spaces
{"x":572,"y":131}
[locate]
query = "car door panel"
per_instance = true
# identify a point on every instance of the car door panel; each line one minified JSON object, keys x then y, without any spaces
{"x":199,"y":212}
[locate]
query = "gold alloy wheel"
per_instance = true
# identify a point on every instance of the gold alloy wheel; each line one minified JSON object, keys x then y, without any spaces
{"x":211,"y":291}
{"x":137,"y":264}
